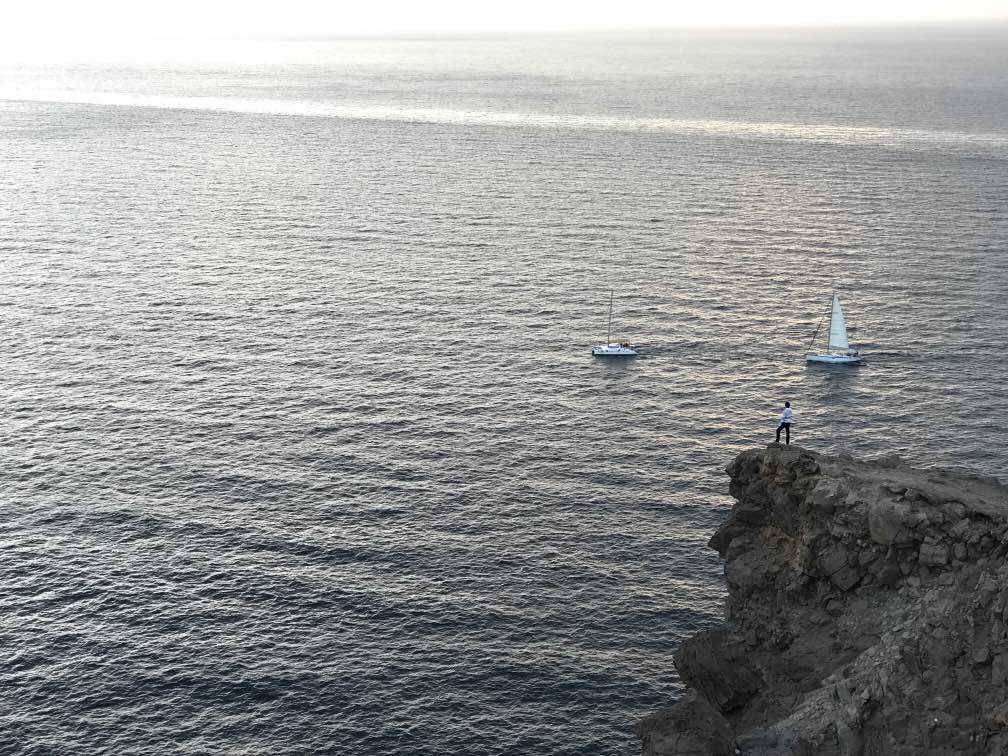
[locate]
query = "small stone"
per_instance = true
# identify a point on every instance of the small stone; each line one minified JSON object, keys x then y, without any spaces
{"x":957,"y":508}
{"x":934,"y":554}
{"x":885,"y":520}
{"x":846,"y":578}
{"x":960,"y":528}
{"x":986,"y":589}
{"x":757,"y":740}
{"x":825,"y":496}
{"x":889,"y":576}
{"x":750,"y":513}
{"x":999,"y":670}
{"x":997,"y":631}
{"x":833,"y":559}
{"x":999,"y":714}
{"x":942,"y":718}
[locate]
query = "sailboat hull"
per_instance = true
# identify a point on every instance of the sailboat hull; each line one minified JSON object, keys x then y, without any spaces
{"x":838,"y":351}
{"x":834,"y":359}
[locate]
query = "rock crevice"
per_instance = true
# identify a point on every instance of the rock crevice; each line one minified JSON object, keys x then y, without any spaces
{"x":867,"y":613}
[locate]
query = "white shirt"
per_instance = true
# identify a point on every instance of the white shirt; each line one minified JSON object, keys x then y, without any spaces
{"x":787,"y":416}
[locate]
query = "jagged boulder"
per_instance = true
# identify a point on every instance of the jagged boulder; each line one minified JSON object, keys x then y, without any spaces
{"x":714,"y":663}
{"x":691,"y":727}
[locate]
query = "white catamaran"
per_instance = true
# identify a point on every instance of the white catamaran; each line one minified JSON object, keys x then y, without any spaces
{"x":838,"y":351}
{"x":611,"y":349}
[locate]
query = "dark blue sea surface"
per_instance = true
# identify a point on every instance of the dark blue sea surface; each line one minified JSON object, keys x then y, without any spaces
{"x":303,"y":447}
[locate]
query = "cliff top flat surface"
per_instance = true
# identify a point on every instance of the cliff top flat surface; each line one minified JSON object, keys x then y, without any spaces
{"x":979,"y":494}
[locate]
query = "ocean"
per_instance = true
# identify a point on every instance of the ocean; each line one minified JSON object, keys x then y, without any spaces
{"x":304,"y":450}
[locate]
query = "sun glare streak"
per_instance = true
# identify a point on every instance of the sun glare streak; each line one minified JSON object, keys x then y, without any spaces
{"x":820,"y":133}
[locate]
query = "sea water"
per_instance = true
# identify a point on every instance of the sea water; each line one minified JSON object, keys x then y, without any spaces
{"x":304,"y":450}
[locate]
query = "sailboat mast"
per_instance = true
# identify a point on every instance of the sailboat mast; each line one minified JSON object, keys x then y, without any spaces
{"x":608,"y":339}
{"x":816,"y":334}
{"x":829,"y":338}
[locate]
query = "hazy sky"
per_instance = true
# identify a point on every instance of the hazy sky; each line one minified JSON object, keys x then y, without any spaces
{"x":38,"y":19}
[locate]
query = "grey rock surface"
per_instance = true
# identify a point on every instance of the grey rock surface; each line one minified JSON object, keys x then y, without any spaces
{"x":691,"y":727}
{"x":867,"y":613}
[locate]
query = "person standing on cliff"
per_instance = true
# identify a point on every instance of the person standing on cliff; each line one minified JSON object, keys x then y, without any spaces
{"x":786,"y":418}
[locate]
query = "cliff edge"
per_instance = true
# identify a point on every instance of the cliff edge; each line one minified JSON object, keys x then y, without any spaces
{"x":867,"y":613}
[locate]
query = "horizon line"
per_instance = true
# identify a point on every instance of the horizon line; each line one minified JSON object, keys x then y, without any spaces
{"x":975,"y":23}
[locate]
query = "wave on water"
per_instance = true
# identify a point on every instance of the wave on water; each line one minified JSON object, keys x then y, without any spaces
{"x":800,"y":132}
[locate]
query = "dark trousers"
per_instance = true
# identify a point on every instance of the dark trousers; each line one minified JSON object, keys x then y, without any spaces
{"x":786,"y":427}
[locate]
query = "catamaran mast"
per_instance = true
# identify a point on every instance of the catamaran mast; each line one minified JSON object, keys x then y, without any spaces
{"x":608,"y":338}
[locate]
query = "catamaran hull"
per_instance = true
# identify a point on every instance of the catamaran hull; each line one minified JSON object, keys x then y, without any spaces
{"x":834,"y":359}
{"x":613,"y":351}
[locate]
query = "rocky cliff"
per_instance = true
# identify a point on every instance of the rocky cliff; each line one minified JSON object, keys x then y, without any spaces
{"x":867,"y":613}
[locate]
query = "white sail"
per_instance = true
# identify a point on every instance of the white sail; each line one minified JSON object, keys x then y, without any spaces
{"x":837,"y":328}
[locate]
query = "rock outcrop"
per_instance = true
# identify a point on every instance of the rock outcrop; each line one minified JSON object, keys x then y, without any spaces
{"x":867,"y":613}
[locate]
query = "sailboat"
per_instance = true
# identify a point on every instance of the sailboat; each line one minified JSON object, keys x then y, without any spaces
{"x":838,"y":351}
{"x":610,"y":348}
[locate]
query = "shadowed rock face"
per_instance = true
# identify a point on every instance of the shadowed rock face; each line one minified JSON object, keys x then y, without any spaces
{"x":867,"y":612}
